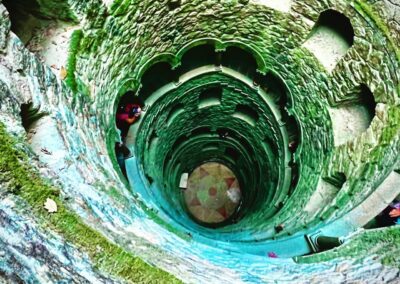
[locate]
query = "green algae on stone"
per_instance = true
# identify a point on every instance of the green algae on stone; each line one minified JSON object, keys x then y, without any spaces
{"x":383,"y":27}
{"x":368,"y":9}
{"x":381,"y":243}
{"x":25,"y":182}
{"x":121,"y":58}
{"x":74,"y":45}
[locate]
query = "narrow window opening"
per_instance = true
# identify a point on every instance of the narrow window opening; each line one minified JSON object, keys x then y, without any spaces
{"x":149,"y":179}
{"x":153,"y":142}
{"x":232,"y":153}
{"x":174,"y":4}
{"x":295,"y":177}
{"x":201,"y":131}
{"x":224,"y":133}
{"x":175,"y":112}
{"x":275,"y":88}
{"x":247,"y":114}
{"x":367,"y":100}
{"x":292,"y":131}
{"x":337,"y":179}
{"x":179,"y":142}
{"x":210,"y":97}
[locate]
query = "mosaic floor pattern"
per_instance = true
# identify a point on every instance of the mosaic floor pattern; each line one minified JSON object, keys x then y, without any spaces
{"x":213,"y":193}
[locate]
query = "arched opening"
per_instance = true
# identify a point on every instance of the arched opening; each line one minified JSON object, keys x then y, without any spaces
{"x":331,"y":38}
{"x":275,"y":88}
{"x":337,"y":179}
{"x":353,"y":115}
{"x":175,"y":112}
{"x":198,"y":56}
{"x":164,"y":74}
{"x":130,"y":98}
{"x":247,"y":114}
{"x":240,"y":60}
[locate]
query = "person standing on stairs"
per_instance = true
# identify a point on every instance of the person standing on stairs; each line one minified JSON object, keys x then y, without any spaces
{"x":127,"y":115}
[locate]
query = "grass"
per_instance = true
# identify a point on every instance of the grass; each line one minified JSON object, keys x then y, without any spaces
{"x":22,"y":180}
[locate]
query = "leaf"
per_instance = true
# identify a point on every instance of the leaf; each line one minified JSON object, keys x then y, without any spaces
{"x":45,"y":151}
{"x":63,"y":73}
{"x":50,"y":205}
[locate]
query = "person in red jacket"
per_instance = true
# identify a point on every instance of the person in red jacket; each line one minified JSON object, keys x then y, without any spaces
{"x":126,"y":116}
{"x":391,"y":215}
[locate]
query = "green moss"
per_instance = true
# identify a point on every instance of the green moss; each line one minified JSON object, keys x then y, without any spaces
{"x":24,"y":181}
{"x":379,"y":22}
{"x":120,"y":7}
{"x":75,"y":40}
{"x":366,"y":244}
{"x":82,"y":88}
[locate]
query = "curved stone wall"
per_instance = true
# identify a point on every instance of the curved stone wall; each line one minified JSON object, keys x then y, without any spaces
{"x":299,"y":99}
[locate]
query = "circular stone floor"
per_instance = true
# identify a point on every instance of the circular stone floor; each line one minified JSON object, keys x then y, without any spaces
{"x":213,"y":193}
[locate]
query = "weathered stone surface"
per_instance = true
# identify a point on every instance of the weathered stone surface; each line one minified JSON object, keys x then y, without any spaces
{"x":5,"y":26}
{"x":72,"y":147}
